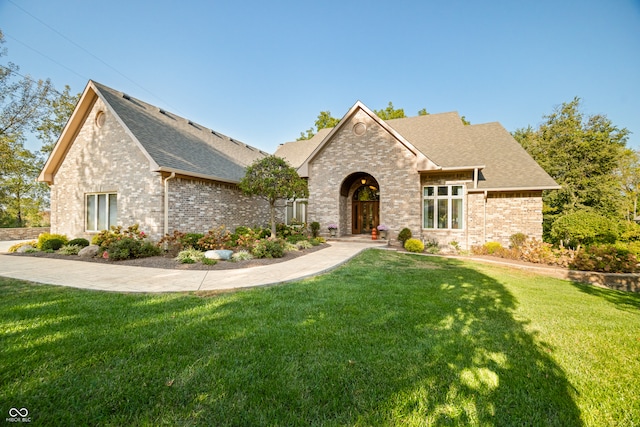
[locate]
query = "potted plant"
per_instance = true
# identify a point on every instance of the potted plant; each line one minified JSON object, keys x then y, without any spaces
{"x":333,"y":228}
{"x":383,"y":230}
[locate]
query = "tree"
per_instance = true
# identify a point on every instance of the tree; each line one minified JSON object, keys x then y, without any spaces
{"x":629,"y":170}
{"x":23,"y":102}
{"x":60,"y":106}
{"x":583,"y":155}
{"x":272,"y":179}
{"x":324,"y":120}
{"x":390,"y":112}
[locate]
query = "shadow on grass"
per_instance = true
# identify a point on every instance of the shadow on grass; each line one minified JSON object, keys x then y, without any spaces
{"x":386,"y":339}
{"x":622,"y":299}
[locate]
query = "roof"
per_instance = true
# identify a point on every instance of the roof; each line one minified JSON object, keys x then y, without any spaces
{"x":170,"y":142}
{"x":448,"y":144}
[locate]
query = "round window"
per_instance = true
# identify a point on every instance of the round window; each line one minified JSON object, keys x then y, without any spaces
{"x":100,"y":118}
{"x":359,"y":128}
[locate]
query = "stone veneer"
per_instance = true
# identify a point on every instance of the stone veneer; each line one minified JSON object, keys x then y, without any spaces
{"x":105,"y":159}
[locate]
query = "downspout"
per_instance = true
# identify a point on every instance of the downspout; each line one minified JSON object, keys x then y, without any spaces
{"x":484,"y":225}
{"x":166,"y":202}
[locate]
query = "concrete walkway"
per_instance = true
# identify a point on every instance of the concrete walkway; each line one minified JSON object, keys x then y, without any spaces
{"x":117,"y":278}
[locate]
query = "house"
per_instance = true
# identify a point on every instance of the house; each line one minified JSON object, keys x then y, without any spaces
{"x":443,"y":180}
{"x":121,"y":161}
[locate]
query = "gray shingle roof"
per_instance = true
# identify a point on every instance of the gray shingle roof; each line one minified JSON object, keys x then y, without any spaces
{"x":175,"y":143}
{"x":446,"y":141}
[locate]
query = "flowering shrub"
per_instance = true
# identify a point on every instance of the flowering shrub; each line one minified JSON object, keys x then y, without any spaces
{"x":382,"y":227}
{"x":605,"y":258}
{"x":218,"y":238}
{"x":332,"y":226}
{"x":115,"y":233}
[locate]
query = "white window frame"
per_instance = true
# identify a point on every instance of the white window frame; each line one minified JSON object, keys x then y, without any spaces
{"x":447,"y":198}
{"x":106,"y":210}
{"x":295,"y":205}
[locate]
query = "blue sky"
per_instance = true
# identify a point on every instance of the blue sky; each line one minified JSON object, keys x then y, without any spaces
{"x":262,"y":71}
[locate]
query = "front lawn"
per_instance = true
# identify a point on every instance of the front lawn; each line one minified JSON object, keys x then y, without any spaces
{"x":387,"y":339}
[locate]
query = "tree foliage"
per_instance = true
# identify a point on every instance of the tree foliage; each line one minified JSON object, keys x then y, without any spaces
{"x":583,"y":155}
{"x":271,"y":178}
{"x":60,"y":106}
{"x":390,"y":112}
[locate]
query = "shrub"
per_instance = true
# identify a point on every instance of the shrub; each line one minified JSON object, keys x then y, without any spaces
{"x":115,"y":233}
{"x":190,"y":256}
{"x":83,"y":243}
{"x":218,"y":238}
{"x":583,"y":228}
{"x":517,"y":240}
{"x":130,"y":247}
{"x":315,"y":228}
{"x":295,"y":238}
{"x":269,"y":248}
{"x":304,"y":244}
{"x":414,"y":245}
{"x":290,"y":247}
{"x":404,"y":235}
{"x":70,"y":249}
{"x":190,"y":240}
{"x":48,"y":241}
{"x":284,"y":231}
{"x":209,"y":261}
{"x":241,"y":256}
{"x":14,"y":248}
{"x":492,"y":247}
{"x":606,"y":258}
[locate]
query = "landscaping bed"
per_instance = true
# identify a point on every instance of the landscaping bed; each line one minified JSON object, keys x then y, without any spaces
{"x":169,"y":262}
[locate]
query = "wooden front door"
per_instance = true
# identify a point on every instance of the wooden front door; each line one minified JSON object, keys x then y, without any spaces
{"x":366,"y":215}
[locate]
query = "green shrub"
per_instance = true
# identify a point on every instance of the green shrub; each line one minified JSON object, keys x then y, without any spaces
{"x":414,"y":245}
{"x":190,"y":240}
{"x":48,"y":241}
{"x":269,"y":248}
{"x":290,"y":247}
{"x":605,"y":258}
{"x":115,"y":233}
{"x":315,"y":228}
{"x":284,"y":231}
{"x":190,"y":256}
{"x":583,"y":228}
{"x":295,"y":238}
{"x":209,"y":261}
{"x":432,"y":246}
{"x":129,"y":247}
{"x":70,"y":249}
{"x":83,"y":243}
{"x":404,"y":235}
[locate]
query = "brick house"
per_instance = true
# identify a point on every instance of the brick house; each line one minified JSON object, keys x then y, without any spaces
{"x":121,"y":161}
{"x":443,"y":180}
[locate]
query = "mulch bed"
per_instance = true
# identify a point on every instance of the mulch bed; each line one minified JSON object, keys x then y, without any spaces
{"x":168,"y":262}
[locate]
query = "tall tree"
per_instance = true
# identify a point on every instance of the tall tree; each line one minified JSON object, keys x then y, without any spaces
{"x":629,"y":171}
{"x":23,"y":102}
{"x":324,"y":120}
{"x":59,"y":107}
{"x":272,"y":179}
{"x":390,"y":112}
{"x":582,"y":154}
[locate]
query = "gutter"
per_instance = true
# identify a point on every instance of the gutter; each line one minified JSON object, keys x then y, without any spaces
{"x":166,"y":202}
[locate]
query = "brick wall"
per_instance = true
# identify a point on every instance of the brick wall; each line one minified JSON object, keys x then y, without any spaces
{"x":377,"y":153}
{"x":196,"y":206}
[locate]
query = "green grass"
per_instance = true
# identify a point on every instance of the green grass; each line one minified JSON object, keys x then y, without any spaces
{"x":388,"y":339}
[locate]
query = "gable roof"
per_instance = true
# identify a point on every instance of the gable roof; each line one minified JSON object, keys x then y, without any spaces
{"x":170,"y":142}
{"x":447,"y":144}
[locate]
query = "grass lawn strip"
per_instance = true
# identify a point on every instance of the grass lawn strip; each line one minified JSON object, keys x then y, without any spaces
{"x":386,"y":339}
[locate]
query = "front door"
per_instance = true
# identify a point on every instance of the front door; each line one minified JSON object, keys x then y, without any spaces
{"x":366,"y":215}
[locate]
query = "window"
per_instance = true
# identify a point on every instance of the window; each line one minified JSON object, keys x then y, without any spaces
{"x":102,"y":211}
{"x":296,"y":212}
{"x":443,"y":207}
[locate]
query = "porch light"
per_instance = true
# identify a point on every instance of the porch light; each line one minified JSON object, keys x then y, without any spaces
{"x":363,"y":181}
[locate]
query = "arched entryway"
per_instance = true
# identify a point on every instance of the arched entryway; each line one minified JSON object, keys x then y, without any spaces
{"x":362,"y":193}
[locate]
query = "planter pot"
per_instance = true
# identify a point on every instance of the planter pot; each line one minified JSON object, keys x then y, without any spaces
{"x":383,"y":234}
{"x":332,"y":232}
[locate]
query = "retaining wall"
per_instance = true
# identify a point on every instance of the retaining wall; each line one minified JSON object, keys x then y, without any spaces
{"x":22,"y":233}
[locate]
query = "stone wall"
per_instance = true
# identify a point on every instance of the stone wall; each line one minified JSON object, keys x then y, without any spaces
{"x":22,"y":233}
{"x":377,"y":153}
{"x":106,"y":159}
{"x":196,"y":206}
